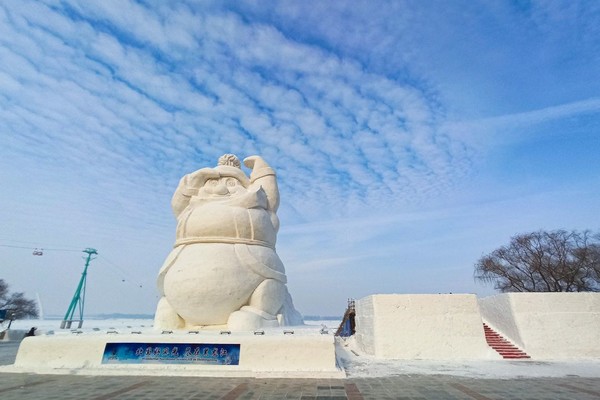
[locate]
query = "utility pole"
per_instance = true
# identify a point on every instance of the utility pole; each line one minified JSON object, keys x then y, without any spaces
{"x":79,"y":296}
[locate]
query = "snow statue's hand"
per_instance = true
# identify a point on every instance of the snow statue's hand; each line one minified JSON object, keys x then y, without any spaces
{"x":259,"y":167}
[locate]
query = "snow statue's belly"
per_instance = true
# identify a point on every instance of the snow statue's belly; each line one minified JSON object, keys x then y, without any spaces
{"x":207,"y":282}
{"x":221,"y":222}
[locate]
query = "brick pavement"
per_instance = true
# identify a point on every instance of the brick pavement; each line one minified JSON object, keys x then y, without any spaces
{"x":421,"y":387}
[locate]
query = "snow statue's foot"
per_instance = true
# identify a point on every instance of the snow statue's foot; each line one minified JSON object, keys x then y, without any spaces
{"x":250,"y":318}
{"x":166,"y":317}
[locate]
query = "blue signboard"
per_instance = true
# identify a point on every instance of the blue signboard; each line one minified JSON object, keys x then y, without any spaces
{"x":171,"y":353}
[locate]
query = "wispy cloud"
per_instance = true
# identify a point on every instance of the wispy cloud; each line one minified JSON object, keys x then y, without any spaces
{"x":110,"y":81}
{"x":510,"y":128}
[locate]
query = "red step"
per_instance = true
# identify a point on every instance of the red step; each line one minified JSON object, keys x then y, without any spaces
{"x":505,"y":348}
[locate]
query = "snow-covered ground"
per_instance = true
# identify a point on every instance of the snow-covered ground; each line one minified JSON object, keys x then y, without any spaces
{"x":358,"y":364}
{"x":53,"y":325}
{"x":90,"y":325}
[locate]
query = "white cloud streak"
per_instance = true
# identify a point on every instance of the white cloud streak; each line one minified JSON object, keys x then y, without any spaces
{"x":107,"y":79}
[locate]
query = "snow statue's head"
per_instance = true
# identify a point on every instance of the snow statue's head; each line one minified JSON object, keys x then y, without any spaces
{"x":224,"y":271}
{"x":225,"y":180}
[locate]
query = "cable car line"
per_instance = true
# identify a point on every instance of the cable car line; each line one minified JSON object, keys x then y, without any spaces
{"x":39,"y":251}
{"x":128,"y":277}
{"x":38,"y":248}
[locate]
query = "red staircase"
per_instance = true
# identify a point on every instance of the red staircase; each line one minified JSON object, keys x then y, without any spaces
{"x":505,"y":348}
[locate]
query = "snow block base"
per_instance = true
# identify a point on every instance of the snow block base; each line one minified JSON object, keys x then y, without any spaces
{"x":548,"y":326}
{"x":422,"y":326}
{"x":273,"y":354}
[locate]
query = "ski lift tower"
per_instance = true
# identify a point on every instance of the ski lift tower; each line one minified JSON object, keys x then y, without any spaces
{"x":79,"y":296}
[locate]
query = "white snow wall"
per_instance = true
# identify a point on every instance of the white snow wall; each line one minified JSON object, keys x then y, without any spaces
{"x":421,"y":326}
{"x":547,"y":325}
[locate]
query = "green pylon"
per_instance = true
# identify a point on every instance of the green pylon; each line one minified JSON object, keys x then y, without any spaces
{"x":79,"y":296}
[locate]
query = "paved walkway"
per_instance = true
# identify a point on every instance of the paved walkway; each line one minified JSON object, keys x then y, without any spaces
{"x":438,"y":387}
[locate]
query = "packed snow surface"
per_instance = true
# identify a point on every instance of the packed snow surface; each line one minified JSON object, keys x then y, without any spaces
{"x":358,"y":364}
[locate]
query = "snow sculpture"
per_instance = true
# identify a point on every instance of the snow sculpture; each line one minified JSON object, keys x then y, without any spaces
{"x":223,"y":271}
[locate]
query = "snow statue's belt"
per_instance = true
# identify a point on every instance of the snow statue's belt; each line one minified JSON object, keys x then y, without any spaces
{"x":243,"y":252}
{"x":219,"y":239}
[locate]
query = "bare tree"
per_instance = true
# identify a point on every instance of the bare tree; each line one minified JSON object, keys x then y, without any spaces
{"x":17,"y":303}
{"x":556,"y":261}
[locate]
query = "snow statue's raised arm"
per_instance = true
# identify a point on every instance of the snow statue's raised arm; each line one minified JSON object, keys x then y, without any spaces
{"x":263,"y":175}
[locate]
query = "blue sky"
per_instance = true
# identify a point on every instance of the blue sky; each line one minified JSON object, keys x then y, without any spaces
{"x":409,"y":137}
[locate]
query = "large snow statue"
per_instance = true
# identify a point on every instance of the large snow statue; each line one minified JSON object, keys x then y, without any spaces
{"x":223,"y":270}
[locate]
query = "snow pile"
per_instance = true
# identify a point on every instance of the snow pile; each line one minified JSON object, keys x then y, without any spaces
{"x":360,"y":365}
